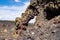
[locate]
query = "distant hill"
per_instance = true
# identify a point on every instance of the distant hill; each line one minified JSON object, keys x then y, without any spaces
{"x":6,"y":22}
{"x":9,"y":23}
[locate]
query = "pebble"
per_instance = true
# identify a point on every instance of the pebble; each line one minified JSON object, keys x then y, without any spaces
{"x":32,"y":33}
{"x":5,"y":30}
{"x":6,"y":39}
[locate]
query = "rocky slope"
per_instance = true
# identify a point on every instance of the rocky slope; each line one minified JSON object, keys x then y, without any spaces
{"x":47,"y":24}
{"x":7,"y":30}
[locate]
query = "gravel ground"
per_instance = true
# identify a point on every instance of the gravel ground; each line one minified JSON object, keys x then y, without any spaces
{"x":49,"y":32}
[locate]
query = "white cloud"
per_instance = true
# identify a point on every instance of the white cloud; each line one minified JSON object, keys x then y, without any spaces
{"x":11,"y":12}
{"x":17,"y":0}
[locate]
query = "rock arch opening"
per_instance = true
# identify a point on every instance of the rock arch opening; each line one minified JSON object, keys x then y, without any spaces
{"x":32,"y":20}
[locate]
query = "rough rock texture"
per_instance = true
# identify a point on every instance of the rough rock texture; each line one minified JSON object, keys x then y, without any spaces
{"x":7,"y":30}
{"x":47,"y":24}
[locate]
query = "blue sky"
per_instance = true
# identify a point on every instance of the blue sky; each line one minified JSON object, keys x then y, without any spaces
{"x":10,"y":9}
{"x":12,"y":2}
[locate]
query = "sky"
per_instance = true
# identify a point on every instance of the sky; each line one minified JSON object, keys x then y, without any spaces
{"x":10,"y":9}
